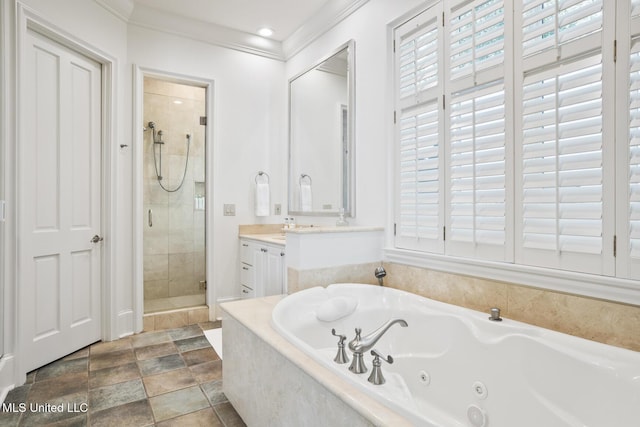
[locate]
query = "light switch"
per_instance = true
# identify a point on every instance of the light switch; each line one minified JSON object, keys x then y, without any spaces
{"x":230,"y":210}
{"x":277,"y":209}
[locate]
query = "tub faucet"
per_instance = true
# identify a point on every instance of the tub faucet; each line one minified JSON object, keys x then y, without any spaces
{"x":376,"y":376}
{"x":341,"y":356}
{"x":360,"y":345}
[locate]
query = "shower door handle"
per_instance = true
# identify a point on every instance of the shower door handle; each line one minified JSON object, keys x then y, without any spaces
{"x":150,"y":218}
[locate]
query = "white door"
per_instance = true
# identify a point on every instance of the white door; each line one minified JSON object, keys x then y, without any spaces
{"x":59,"y":192}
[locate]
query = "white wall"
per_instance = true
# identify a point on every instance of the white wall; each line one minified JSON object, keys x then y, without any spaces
{"x":368,"y":27}
{"x":103,"y":33}
{"x":249,"y":132}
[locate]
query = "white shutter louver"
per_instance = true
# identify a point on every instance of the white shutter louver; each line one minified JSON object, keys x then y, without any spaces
{"x":476,"y":37}
{"x":477,"y":167}
{"x":419,"y":173}
{"x":635,"y":8}
{"x":553,"y":24}
{"x":418,"y":68}
{"x":562,"y":160}
{"x":634,"y":150}
{"x":418,"y":117}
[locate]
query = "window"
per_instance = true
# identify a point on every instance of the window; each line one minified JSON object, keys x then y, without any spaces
{"x":506,"y":140}
{"x":419,"y":132}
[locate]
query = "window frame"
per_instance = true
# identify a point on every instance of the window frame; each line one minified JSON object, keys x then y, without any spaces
{"x":623,"y":285}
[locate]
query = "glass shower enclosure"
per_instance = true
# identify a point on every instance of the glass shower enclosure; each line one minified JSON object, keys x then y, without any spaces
{"x":174,"y":195}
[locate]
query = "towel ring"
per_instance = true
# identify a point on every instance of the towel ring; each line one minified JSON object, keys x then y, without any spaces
{"x":260,"y":173}
{"x":303,"y":176}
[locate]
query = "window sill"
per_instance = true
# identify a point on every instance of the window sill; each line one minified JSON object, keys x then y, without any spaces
{"x":601,"y":287}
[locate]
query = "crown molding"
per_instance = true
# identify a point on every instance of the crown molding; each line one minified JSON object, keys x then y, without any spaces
{"x":218,"y":35}
{"x":331,"y":14}
{"x":326,"y":18}
{"x":122,"y":9}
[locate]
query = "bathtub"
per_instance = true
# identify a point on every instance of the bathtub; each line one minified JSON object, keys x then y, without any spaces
{"x":454,"y":367}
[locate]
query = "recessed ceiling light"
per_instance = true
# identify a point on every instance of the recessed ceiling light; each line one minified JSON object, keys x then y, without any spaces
{"x":265,"y":32}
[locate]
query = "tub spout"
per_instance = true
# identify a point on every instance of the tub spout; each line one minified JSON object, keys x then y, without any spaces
{"x":360,"y":345}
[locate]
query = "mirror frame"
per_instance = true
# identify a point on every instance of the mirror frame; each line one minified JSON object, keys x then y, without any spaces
{"x":349,"y":198}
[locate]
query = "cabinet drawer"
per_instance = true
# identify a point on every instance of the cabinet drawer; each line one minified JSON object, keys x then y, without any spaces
{"x":247,"y":276}
{"x":246,"y":252}
{"x":246,"y":292}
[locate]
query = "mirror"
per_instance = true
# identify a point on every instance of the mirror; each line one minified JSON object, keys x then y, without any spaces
{"x":321,"y":141}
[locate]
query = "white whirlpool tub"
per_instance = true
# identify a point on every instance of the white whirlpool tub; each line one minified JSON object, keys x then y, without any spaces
{"x":455,"y":367}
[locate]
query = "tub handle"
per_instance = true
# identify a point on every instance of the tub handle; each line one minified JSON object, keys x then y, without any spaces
{"x":341,"y":357}
{"x":376,"y":376}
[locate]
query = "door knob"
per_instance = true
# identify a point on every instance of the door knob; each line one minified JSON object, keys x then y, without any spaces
{"x":96,"y":239}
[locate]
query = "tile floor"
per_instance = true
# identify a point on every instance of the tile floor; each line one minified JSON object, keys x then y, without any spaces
{"x":160,"y":378}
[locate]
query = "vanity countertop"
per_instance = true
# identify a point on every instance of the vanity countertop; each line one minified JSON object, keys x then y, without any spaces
{"x":281,"y":237}
{"x":271,"y":238}
{"x":304,"y":229}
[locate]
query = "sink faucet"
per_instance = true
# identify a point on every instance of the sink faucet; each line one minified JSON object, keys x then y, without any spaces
{"x":360,"y":345}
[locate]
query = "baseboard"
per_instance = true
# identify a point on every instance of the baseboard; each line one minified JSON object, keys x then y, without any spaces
{"x":7,"y":375}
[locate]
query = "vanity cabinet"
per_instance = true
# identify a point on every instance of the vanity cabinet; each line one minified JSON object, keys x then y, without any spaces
{"x":262,"y":267}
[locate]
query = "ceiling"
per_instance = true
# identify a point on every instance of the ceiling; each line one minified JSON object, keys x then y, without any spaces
{"x":284,"y":17}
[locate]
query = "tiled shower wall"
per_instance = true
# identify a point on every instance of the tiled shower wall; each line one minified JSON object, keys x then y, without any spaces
{"x":174,"y":245}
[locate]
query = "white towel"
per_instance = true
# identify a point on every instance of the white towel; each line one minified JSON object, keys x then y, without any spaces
{"x":262,"y":199}
{"x":336,"y":308}
{"x":305,"y":197}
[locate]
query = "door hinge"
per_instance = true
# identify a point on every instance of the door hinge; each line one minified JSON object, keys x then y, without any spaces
{"x":615,"y":245}
{"x":615,"y":50}
{"x":394,"y":228}
{"x":444,"y":233}
{"x":443,"y":19}
{"x":203,"y":120}
{"x":394,"y":46}
{"x":444,"y":102}
{"x":394,"y":117}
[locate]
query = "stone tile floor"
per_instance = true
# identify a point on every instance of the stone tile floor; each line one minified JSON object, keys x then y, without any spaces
{"x":161,"y":378}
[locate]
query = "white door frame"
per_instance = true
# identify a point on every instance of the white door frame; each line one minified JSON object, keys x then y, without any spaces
{"x":28,"y":19}
{"x":139,"y":73}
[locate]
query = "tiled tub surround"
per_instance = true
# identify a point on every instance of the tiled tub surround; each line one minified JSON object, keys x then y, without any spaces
{"x":174,"y":246}
{"x":453,"y":366}
{"x":598,"y":320}
{"x":603,"y":321}
{"x":271,"y":382}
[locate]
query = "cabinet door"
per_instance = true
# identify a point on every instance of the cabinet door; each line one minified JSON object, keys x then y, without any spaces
{"x":273,"y":271}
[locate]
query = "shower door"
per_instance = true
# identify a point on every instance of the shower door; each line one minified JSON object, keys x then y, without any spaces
{"x":173,"y":195}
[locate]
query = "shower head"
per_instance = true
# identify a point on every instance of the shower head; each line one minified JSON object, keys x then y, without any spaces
{"x":152,"y":125}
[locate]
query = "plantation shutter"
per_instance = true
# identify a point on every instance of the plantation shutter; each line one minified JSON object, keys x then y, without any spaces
{"x":419,"y":133}
{"x":477,"y":129}
{"x":477,"y":173}
{"x":632,"y":245}
{"x":476,"y":33}
{"x":557,"y":29}
{"x":562,"y":167}
{"x":635,"y":8}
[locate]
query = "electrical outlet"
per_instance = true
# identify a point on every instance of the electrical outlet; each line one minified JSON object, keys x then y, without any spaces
{"x":230,"y":210}
{"x":277,"y":209}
